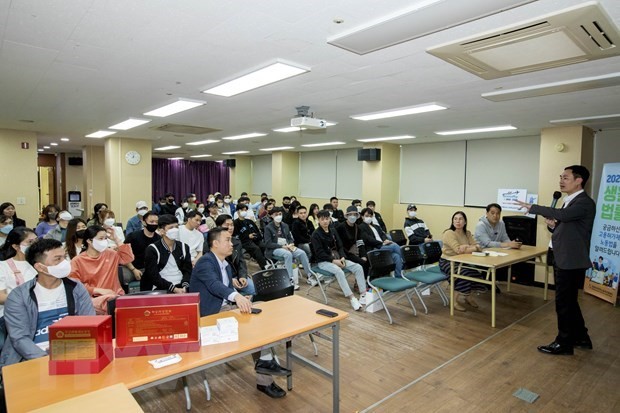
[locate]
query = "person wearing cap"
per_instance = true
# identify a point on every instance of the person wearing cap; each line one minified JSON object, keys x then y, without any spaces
{"x":415,"y":229}
{"x":135,"y":223}
{"x":59,"y":232}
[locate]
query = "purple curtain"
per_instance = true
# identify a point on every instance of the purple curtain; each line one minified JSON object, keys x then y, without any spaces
{"x":182,"y":177}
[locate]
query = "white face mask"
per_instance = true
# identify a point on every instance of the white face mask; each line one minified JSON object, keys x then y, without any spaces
{"x":60,"y":270}
{"x":24,"y":248}
{"x":243,"y":213}
{"x":368,"y":220}
{"x":227,"y":200}
{"x":100,"y":244}
{"x":184,"y":205}
{"x":142,"y":212}
{"x":352,"y":218}
{"x":278,"y":218}
{"x":359,"y":209}
{"x":173,"y":234}
{"x":412,"y":214}
{"x":201,"y":210}
{"x":109,"y":222}
{"x":211,"y":199}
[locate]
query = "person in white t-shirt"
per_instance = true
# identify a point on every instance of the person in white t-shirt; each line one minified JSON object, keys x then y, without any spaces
{"x":14,"y":269}
{"x":189,"y":234}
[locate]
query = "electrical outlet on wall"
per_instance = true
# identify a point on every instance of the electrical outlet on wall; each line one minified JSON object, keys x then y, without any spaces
{"x":21,"y":200}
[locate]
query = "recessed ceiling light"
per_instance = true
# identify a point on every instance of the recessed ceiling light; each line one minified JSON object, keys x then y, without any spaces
{"x":176,"y":107}
{"x":261,"y":77}
{"x":166,"y":148}
{"x":200,"y":156}
{"x":220,"y":161}
{"x":391,"y":138}
{"x":312,"y":145}
{"x":234,"y":153}
{"x":65,"y":139}
{"x":585,"y":119}
{"x":391,"y":113}
{"x":46,"y":147}
{"x":100,"y":134}
{"x":178,"y":158}
{"x":281,"y":148}
{"x":203,"y":142}
{"x":130,"y":123}
{"x":40,"y":150}
{"x":54,"y":144}
{"x":289,"y":129}
{"x":477,"y":130}
{"x":245,"y":136}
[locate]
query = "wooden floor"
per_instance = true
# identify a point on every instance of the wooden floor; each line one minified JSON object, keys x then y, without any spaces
{"x":432,"y":362}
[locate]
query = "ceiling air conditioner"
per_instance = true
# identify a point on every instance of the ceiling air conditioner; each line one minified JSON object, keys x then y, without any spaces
{"x":573,"y":35}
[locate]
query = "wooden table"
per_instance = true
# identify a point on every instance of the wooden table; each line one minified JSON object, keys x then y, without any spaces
{"x":490,"y":264}
{"x":28,"y":385}
{"x":98,"y":401}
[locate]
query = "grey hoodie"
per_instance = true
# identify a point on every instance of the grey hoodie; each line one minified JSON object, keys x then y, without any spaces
{"x":488,"y":236}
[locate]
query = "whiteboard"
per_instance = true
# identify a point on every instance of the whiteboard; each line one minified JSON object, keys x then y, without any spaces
{"x":348,"y":174}
{"x":317,"y":174}
{"x":261,"y":174}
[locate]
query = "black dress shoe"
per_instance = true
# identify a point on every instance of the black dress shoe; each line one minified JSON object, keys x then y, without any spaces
{"x":273,"y":390}
{"x":583,"y":343}
{"x":270,"y":367}
{"x":556,"y":349}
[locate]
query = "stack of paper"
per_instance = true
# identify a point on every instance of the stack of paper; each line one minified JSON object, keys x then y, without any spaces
{"x":225,"y":331}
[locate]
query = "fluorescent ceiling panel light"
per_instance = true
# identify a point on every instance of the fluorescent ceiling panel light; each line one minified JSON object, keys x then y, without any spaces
{"x":281,"y":148}
{"x":553,"y":88}
{"x":166,"y":148}
{"x":391,"y":113}
{"x":314,"y":145}
{"x":54,"y":144}
{"x":178,"y":158}
{"x":200,"y":156}
{"x":587,"y":119}
{"x":261,"y":77}
{"x":476,"y":130}
{"x":176,"y":107}
{"x":46,"y":147}
{"x":202,"y":142}
{"x":130,"y":123}
{"x":289,"y":129}
{"x":245,"y":136}
{"x":100,"y":134}
{"x":392,"y":138}
{"x":234,"y":153}
{"x":64,"y":139}
{"x":40,"y":150}
{"x":420,"y":19}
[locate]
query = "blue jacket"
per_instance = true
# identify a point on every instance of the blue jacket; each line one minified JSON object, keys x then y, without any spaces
{"x":21,"y":312}
{"x":133,"y":224}
{"x":206,"y":280}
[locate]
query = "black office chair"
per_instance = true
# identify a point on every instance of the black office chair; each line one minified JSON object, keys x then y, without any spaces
{"x":398,"y":237}
{"x":128,"y":280}
{"x":383,"y":284}
{"x":432,"y":253}
{"x":272,"y":284}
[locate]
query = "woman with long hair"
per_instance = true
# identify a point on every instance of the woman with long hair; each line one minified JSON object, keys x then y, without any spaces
{"x":6,"y":226}
{"x":458,"y":240}
{"x":49,"y":222}
{"x":75,"y":237}
{"x":8,"y":209}
{"x":313,"y":213}
{"x":96,"y":219}
{"x":14,"y":269}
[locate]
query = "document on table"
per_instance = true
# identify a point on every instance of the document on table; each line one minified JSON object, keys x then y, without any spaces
{"x":212,"y":335}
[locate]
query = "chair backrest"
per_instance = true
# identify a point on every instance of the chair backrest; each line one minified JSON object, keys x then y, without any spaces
{"x":432,"y":252}
{"x":413,"y":256}
{"x":112,"y":305}
{"x":381,"y":263}
{"x":272,"y":284}
{"x":398,"y":237}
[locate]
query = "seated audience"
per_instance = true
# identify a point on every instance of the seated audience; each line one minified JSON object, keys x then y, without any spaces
{"x":491,"y":230}
{"x":213,"y":279}
{"x":48,"y":222}
{"x":135,"y":223}
{"x":109,"y":222}
{"x":249,"y":234}
{"x":350,"y":235}
{"x":140,"y":240}
{"x":6,"y":226}
{"x":241,"y":281}
{"x":415,"y":229}
{"x":157,"y":207}
{"x":8,"y":209}
{"x":357,"y":203}
{"x":182,"y":211}
{"x":167,"y":262}
{"x":375,"y":239}
{"x":59,"y":233}
{"x":337,"y":214}
{"x":189,"y":234}
{"x":302,"y":230}
{"x":213,"y":213}
{"x":14,"y":269}
{"x":170,"y":207}
{"x":376,"y":217}
{"x":96,"y":218}
{"x":279,"y":245}
{"x":191,"y":201}
{"x":458,"y":240}
{"x":75,"y":237}
{"x":39,"y":302}
{"x":97,"y":266}
{"x":330,"y":256}
{"x":313,"y":215}
{"x":266,"y":219}
{"x":291,"y":213}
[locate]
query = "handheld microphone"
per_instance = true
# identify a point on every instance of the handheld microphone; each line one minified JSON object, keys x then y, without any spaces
{"x":556,"y":196}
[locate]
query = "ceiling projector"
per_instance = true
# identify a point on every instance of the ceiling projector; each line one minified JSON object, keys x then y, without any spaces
{"x":308,"y":123}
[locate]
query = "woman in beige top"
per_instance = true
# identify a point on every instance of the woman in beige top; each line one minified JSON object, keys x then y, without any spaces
{"x":458,"y":240}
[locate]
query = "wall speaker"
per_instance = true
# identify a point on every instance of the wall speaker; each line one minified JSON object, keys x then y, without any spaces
{"x":231,"y":163}
{"x":76,"y":161}
{"x":372,"y":154}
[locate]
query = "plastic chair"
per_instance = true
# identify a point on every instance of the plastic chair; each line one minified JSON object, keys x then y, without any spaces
{"x":414,"y":259}
{"x":432,"y":252}
{"x":323,"y":280}
{"x":398,"y":237}
{"x":379,"y":278}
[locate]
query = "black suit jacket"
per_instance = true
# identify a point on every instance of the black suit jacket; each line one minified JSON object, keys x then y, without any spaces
{"x":571,"y":235}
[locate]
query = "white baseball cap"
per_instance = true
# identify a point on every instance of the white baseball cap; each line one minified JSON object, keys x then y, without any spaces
{"x":141,"y":204}
{"x":65,"y":216}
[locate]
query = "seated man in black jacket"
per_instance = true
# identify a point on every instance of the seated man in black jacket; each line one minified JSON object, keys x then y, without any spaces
{"x":375,"y":239}
{"x":168,"y":262}
{"x":351,"y":237}
{"x":377,"y":219}
{"x":250,"y":235}
{"x":241,"y":281}
{"x":415,"y":229}
{"x":302,"y":230}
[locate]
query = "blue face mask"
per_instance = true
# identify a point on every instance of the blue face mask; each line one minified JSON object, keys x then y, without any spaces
{"x":6,"y":229}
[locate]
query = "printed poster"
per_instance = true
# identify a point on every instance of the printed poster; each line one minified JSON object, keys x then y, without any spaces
{"x":506,"y":198}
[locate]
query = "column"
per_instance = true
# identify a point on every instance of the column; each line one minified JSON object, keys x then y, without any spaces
{"x":241,"y":176}
{"x":284,"y":174}
{"x":93,"y":169}
{"x":381,"y":181}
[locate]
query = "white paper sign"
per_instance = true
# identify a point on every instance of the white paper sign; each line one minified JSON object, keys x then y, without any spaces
{"x":532,"y":199}
{"x":506,"y":197}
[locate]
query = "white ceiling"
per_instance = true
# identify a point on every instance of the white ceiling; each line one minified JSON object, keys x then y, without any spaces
{"x":75,"y":67}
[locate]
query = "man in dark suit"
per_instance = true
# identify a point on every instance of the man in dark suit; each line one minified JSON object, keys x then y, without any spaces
{"x":212,"y":278}
{"x":572,"y":228}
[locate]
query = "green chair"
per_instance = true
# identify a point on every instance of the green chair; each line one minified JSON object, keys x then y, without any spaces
{"x":413,"y":260}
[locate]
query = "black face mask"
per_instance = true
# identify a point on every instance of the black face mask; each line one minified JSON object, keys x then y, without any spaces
{"x":171,"y":201}
{"x":80,"y":233}
{"x":151,"y":227}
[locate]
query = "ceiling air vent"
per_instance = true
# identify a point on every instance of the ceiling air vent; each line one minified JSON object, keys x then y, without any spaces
{"x":573,"y":35}
{"x":185,"y":129}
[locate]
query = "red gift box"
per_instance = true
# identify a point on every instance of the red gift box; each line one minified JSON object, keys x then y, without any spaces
{"x":80,"y":344}
{"x":157,"y":324}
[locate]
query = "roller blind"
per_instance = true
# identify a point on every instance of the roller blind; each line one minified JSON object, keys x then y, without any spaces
{"x":317,"y":174}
